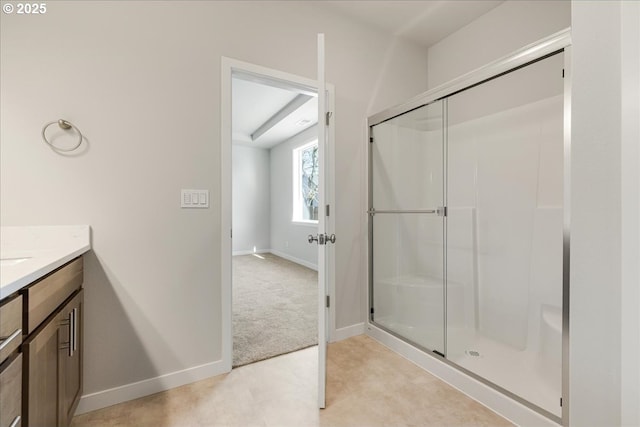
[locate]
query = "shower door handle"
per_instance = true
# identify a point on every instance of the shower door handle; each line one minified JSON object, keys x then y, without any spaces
{"x":440,"y":211}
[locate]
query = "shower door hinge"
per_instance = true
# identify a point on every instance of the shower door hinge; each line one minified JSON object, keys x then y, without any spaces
{"x":563,"y":78}
{"x":328,"y":301}
{"x":328,"y":115}
{"x":561,"y":398}
{"x":371,"y":140}
{"x":327,"y":210}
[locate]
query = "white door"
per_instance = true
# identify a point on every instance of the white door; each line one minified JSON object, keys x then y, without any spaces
{"x":323,"y":239}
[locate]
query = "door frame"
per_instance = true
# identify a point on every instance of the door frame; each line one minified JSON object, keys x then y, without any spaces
{"x":228,"y":67}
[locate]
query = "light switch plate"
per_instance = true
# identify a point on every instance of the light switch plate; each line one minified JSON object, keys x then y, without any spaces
{"x":194,"y":199}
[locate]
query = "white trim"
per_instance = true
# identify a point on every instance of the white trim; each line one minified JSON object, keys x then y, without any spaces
{"x":124,"y":393}
{"x":489,"y":397}
{"x":348,"y":332}
{"x":229,"y":66}
{"x":226,"y":203}
{"x":294,"y":259}
{"x":250,"y":252}
{"x":309,"y":223}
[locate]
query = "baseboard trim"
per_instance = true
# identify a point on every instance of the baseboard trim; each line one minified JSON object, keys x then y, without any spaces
{"x":294,"y":259}
{"x":482,"y":393}
{"x":249,"y":252}
{"x":124,"y":393}
{"x":348,"y":332}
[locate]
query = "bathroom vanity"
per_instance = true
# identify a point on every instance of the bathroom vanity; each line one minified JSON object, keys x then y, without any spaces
{"x":41,"y":324}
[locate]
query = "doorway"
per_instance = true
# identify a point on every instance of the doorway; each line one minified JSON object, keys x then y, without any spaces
{"x":275,"y":175}
{"x":288,"y":250}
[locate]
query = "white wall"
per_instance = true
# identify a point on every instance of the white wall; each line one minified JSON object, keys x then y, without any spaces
{"x":605,"y":328}
{"x":251,"y":169}
{"x":504,"y":29}
{"x":630,"y":171}
{"x":142,"y":81}
{"x":288,"y":238}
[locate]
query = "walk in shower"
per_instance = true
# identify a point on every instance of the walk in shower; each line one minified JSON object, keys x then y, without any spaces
{"x":466,"y":195}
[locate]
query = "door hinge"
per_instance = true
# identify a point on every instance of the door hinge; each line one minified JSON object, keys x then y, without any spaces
{"x":328,"y":115}
{"x":371,"y":140}
{"x":328,"y":301}
{"x":563,"y":73}
{"x":561,"y":398}
{"x":231,"y":233}
{"x":441,"y":211}
{"x":327,"y":210}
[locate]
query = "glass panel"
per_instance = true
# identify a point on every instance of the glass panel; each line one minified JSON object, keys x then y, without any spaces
{"x":504,"y":231}
{"x":407,"y":277}
{"x":407,"y":247}
{"x":406,"y":160}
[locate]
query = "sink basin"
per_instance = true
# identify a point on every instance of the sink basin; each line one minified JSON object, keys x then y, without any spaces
{"x":6,"y":262}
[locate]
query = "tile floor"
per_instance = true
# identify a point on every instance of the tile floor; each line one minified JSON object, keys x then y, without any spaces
{"x":367,"y":385}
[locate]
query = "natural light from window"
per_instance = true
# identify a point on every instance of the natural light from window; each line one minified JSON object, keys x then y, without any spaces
{"x":305,"y":183}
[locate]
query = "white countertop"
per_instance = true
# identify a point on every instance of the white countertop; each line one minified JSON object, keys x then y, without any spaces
{"x":28,"y":253}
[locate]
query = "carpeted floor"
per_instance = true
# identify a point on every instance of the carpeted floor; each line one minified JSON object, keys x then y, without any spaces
{"x":274,"y":307}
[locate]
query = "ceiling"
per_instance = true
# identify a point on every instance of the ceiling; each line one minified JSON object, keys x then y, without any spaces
{"x":265,"y":114}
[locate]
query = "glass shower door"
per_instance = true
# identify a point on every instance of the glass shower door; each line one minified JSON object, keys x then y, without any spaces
{"x":504,"y":231}
{"x":407,"y":226}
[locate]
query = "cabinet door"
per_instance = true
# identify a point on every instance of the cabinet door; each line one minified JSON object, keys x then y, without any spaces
{"x":70,"y":358}
{"x":10,"y":391}
{"x":40,"y":386}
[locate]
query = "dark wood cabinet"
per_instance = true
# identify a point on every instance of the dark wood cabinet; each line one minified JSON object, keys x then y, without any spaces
{"x":40,"y":385}
{"x":70,"y":359}
{"x":10,"y":391}
{"x":52,"y":371}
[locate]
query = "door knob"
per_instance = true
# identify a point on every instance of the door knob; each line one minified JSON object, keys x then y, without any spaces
{"x":321,"y":238}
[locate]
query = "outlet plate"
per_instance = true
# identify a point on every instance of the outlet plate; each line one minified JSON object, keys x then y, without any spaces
{"x":195,"y":199}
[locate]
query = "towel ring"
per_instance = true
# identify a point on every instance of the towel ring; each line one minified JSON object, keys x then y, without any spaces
{"x":65,"y":125}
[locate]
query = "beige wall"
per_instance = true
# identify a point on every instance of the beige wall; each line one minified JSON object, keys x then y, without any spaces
{"x":142,"y":82}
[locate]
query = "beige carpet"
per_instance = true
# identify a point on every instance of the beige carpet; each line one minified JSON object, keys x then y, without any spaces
{"x":274,"y":307}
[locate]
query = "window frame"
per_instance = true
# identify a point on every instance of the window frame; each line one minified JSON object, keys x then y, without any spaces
{"x":297,"y":200}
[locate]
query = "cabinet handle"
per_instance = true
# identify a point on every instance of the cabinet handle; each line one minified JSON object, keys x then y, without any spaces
{"x":6,"y":340}
{"x":15,"y":421}
{"x":72,"y":328}
{"x":74,"y":317}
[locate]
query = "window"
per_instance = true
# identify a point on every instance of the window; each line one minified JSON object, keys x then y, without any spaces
{"x":305,"y":183}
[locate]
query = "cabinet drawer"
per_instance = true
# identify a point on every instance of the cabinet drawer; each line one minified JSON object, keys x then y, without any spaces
{"x":11,"y":392}
{"x":10,"y":326}
{"x":44,"y":296}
